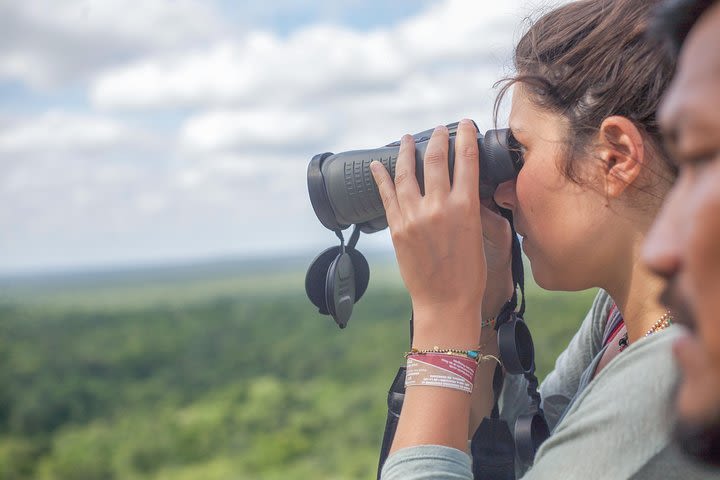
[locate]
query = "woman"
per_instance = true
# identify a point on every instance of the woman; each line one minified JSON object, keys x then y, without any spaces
{"x":594,"y":175}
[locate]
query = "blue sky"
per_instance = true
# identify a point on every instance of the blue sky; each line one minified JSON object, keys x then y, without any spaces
{"x":182,"y":129}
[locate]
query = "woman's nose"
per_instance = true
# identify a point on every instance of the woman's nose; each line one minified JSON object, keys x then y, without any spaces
{"x":505,"y":195}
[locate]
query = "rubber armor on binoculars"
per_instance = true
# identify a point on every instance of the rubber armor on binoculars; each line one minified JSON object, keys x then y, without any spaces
{"x":343,"y":192}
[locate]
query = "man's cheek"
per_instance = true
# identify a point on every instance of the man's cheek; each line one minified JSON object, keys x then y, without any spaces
{"x":688,"y":386}
{"x":703,"y":265}
{"x":706,"y":310}
{"x":698,"y":395}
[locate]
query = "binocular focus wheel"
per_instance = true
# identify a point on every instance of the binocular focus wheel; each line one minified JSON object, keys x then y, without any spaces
{"x":516,"y":347}
{"x":530,"y":432}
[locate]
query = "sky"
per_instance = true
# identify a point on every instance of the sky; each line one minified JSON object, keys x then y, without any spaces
{"x":173,"y":130}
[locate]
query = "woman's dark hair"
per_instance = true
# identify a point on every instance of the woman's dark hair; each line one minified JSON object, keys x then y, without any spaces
{"x":592,"y":59}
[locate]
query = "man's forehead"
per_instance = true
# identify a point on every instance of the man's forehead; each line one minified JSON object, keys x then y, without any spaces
{"x":700,"y":55}
{"x":695,"y":86}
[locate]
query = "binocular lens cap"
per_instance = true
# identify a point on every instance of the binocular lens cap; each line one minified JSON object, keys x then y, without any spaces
{"x":530,"y":432}
{"x":340,"y":289}
{"x":334,"y":278}
{"x":516,"y":346}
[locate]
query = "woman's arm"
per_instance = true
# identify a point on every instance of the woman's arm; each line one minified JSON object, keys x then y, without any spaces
{"x":497,"y":239}
{"x":438,"y":240}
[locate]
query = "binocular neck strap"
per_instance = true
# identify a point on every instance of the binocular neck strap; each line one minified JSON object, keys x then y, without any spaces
{"x":518,"y":271}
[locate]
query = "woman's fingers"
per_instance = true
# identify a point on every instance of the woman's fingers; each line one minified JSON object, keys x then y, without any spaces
{"x":387,"y":193}
{"x":467,"y":162}
{"x":438,"y":240}
{"x":437,"y":176}
{"x":497,"y":235}
{"x":495,"y":226}
{"x":406,"y":185}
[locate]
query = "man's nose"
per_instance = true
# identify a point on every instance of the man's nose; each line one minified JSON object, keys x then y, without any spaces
{"x":662,"y":249}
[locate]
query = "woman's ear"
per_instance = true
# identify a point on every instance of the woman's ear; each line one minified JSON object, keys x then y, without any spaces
{"x":623,"y":152}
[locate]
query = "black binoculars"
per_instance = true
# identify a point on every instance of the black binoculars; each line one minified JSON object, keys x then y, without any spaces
{"x":343,"y":192}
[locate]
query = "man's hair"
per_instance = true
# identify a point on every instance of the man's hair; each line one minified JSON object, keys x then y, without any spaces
{"x":675,"y":18}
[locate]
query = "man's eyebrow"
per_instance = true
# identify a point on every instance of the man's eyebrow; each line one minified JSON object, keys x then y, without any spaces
{"x":670,"y":137}
{"x":670,"y":143}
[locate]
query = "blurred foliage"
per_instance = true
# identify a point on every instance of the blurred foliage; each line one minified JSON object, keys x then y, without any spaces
{"x":204,"y":384}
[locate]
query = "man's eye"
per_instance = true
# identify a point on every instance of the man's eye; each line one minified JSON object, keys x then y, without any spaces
{"x":704,"y":158}
{"x":692,"y":166}
{"x":696,"y":163}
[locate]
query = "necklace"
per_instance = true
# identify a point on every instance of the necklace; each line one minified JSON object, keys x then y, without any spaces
{"x":662,"y":323}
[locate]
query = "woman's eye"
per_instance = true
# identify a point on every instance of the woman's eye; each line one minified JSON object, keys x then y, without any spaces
{"x":519,"y":148}
{"x":522,"y":151}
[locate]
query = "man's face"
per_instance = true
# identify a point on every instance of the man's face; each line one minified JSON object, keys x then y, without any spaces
{"x":684,"y":244}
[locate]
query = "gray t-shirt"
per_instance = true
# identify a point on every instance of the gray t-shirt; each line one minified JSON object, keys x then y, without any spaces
{"x":562,"y":383}
{"x":618,"y":426}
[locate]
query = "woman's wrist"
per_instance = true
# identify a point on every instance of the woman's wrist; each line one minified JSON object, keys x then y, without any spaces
{"x":446,"y":327}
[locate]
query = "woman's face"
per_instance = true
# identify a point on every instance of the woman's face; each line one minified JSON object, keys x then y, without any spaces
{"x":560,"y":221}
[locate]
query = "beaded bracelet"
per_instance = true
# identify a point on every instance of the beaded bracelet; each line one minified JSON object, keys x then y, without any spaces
{"x":475,"y":354}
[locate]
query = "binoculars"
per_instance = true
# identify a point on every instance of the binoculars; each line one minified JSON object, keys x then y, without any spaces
{"x":343,"y":192}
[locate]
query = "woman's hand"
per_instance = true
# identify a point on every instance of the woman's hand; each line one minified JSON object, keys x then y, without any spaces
{"x":438,"y":237}
{"x":497,"y":239}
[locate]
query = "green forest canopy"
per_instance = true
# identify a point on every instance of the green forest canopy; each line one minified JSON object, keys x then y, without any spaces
{"x":227,"y":374}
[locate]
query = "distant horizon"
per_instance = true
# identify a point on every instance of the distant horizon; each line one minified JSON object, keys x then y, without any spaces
{"x":184,"y":262}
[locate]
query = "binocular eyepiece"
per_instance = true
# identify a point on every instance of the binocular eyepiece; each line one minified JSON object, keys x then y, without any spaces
{"x":343,"y":191}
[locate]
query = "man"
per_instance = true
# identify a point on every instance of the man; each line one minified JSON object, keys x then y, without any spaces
{"x":684,"y":245}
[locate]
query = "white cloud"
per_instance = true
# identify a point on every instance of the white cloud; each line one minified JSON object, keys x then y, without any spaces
{"x":46,"y":43}
{"x":198,"y":141}
{"x":253,"y":129}
{"x":59,"y":131}
{"x":317,"y":63}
